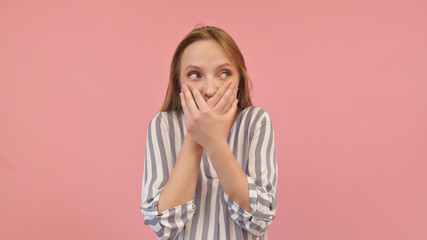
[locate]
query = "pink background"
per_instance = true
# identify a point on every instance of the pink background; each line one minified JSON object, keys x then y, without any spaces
{"x":345,"y":83}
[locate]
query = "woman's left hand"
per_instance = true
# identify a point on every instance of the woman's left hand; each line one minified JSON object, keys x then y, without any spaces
{"x":202,"y":123}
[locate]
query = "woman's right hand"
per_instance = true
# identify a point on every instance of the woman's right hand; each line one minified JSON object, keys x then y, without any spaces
{"x":223,"y":98}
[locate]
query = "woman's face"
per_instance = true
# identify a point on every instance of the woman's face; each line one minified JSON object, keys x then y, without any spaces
{"x":205,"y":64}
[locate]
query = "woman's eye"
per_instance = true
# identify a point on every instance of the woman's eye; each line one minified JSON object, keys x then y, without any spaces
{"x":225,"y":74}
{"x":193,"y":75}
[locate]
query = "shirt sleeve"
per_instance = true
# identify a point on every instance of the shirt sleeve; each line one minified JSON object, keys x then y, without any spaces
{"x":158,"y":165}
{"x":262,"y":181}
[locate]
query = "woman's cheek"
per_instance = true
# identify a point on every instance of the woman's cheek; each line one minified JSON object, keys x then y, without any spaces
{"x":198,"y":86}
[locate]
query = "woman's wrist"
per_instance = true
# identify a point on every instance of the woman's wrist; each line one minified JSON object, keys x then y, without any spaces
{"x":216,"y":145}
{"x":192,"y":143}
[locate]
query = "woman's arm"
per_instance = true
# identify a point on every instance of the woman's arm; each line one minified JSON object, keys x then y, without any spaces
{"x":170,"y":220}
{"x":181,"y":185}
{"x":261,"y":174}
{"x":231,"y":176}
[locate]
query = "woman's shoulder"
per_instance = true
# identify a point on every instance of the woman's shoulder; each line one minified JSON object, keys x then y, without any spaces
{"x":256,"y":114}
{"x":160,"y":117}
{"x":255,"y":118}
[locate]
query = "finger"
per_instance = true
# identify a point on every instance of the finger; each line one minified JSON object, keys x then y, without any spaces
{"x":190,"y":101}
{"x":213,"y":101}
{"x":185,"y":109}
{"x":227,"y":99}
{"x":201,"y":103}
{"x":231,"y":101}
{"x":233,"y":108}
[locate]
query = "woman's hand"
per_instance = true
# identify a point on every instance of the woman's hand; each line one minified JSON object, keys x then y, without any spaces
{"x":204,"y":124}
{"x":223,"y":98}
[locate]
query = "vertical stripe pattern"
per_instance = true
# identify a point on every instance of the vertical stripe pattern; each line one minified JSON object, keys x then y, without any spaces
{"x":212,"y":214}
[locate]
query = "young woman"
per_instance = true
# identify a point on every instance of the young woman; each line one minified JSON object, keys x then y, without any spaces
{"x":210,"y":167}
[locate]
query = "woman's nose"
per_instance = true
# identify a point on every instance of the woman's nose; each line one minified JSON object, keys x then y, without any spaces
{"x":209,"y":88}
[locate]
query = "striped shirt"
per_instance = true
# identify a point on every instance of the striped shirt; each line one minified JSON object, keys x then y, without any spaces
{"x":212,"y":214}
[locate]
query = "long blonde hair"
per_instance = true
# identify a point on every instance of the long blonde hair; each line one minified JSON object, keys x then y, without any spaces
{"x":172,"y":101}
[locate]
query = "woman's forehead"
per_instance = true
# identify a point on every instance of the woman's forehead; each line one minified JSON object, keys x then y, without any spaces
{"x":205,"y":50}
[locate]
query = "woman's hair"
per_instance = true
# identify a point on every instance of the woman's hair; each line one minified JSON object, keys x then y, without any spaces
{"x":172,"y":100}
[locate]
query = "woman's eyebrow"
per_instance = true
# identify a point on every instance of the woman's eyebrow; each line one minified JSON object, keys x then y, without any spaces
{"x":220,"y":66}
{"x":224,"y":64}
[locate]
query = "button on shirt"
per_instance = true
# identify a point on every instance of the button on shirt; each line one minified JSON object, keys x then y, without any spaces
{"x":212,"y":214}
